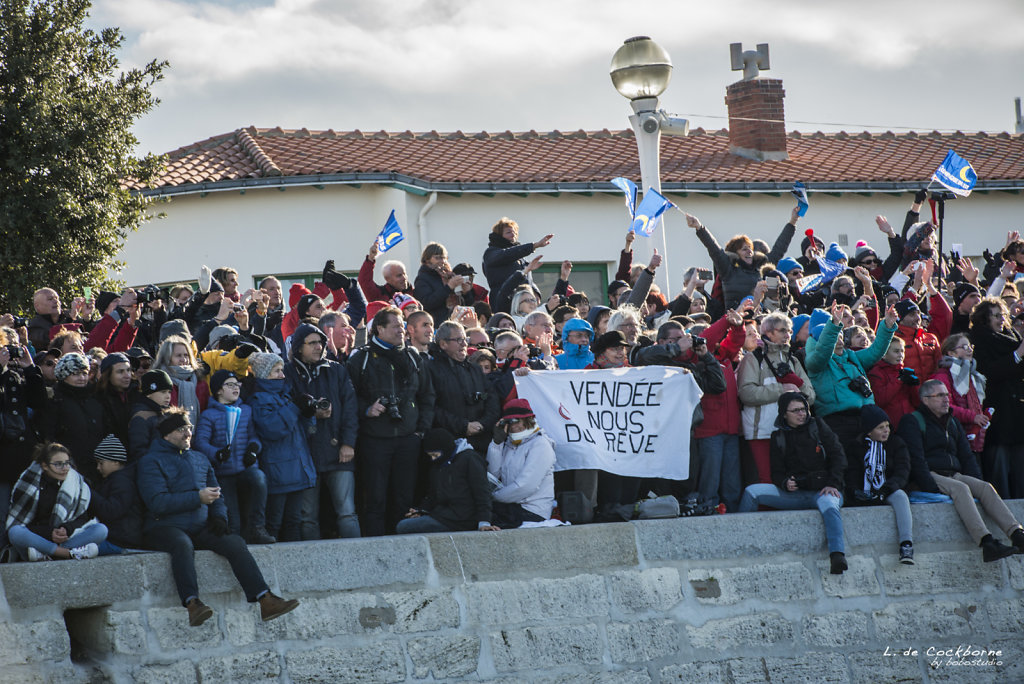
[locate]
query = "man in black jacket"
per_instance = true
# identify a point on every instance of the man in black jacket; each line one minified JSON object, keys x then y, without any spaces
{"x":465,"y":406}
{"x":324,"y":391}
{"x":396,"y":407}
{"x":459,"y":497}
{"x":807,"y":465}
{"x":942,"y":461}
{"x":674,"y":347}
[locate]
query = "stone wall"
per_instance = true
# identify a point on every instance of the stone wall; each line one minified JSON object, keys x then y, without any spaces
{"x":737,"y":598}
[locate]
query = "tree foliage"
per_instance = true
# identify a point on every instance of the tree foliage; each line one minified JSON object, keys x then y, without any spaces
{"x":66,"y":149}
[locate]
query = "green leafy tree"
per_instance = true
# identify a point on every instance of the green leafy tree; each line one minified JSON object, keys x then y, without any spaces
{"x":66,"y":149}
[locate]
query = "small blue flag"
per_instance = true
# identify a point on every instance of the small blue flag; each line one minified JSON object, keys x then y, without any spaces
{"x":648,"y":214}
{"x":390,"y":235}
{"x":829,"y":271}
{"x":629,"y":187}
{"x":800,"y":192}
{"x":957,"y":174}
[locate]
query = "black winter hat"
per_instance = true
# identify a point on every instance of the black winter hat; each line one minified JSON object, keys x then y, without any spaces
{"x":904,"y":307}
{"x":155,"y":381}
{"x":103,"y":300}
{"x":789,"y":397}
{"x":614,"y":338}
{"x":305,"y":303}
{"x":963,"y":291}
{"x":111,"y":360}
{"x":871,"y":416}
{"x":439,"y":439}
{"x":218,"y":379}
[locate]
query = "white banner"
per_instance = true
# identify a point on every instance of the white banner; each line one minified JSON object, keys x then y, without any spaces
{"x":626,"y":421}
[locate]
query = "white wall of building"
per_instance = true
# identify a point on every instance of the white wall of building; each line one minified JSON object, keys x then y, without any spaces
{"x":294,"y":231}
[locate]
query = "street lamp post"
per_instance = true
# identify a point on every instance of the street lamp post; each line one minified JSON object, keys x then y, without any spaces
{"x":640,"y":71}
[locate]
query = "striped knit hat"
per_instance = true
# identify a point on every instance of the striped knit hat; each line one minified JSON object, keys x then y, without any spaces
{"x":110,"y":449}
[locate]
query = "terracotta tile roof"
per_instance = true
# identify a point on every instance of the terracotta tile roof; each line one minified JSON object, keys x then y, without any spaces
{"x":474,"y":161}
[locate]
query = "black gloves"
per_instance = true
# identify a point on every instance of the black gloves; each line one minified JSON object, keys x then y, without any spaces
{"x":217,"y":526}
{"x":909,"y":377}
{"x":245,"y":349}
{"x":920,"y":196}
{"x":333,"y":279}
{"x":223,"y":454}
{"x":251,"y":452}
{"x":306,"y":404}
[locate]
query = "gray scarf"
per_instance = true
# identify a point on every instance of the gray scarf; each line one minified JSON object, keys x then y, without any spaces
{"x":963,"y":371}
{"x":185,"y":379}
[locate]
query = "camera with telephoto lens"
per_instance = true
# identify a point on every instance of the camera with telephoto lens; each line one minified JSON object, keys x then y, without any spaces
{"x":861,"y":386}
{"x":322,"y":404}
{"x":148,"y":294}
{"x":477,"y":397}
{"x":534,"y":351}
{"x":18,"y":321}
{"x":699,"y":341}
{"x":391,"y":404}
{"x":14,"y":351}
{"x":909,"y":377}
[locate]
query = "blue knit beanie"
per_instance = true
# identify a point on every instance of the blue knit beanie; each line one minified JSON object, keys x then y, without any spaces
{"x":835,"y":252}
{"x":788,"y":264}
{"x":798,"y":324}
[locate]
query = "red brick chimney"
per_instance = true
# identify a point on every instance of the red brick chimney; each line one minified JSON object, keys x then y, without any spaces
{"x":757,"y":121}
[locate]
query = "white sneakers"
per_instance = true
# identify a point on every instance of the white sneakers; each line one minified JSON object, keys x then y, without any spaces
{"x":87,"y":551}
{"x":34,"y":555}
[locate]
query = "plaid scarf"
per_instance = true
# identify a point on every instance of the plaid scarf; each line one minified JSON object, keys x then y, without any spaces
{"x":72,"y":499}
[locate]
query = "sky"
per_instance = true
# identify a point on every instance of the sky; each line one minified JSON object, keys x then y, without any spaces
{"x":477,"y":65}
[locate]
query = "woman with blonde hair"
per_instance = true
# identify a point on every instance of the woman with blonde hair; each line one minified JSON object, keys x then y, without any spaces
{"x":176,"y":358}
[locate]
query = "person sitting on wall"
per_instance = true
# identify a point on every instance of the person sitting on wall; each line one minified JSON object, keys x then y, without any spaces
{"x":807,"y":464}
{"x":522,"y":458}
{"x":182,"y":517}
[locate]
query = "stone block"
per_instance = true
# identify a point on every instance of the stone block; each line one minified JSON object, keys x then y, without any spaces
{"x":261,"y":666}
{"x":103,"y":630}
{"x":342,"y":564}
{"x":506,"y":554}
{"x":34,"y":642}
{"x":245,"y":627}
{"x":1006,"y":615}
{"x":537,"y":600}
{"x":637,"y":642}
{"x":379,"y":662}
{"x":1015,"y":564}
{"x":836,"y":629}
{"x":172,"y":631}
{"x":809,"y":668}
{"x":100,"y":582}
{"x":614,"y":677}
{"x":759,"y":629}
{"x":538,"y":648}
{"x":693,"y":673}
{"x":945,"y":572}
{"x":181,"y":672}
{"x":765,"y":582}
{"x":423,"y":611}
{"x":1011,"y":667}
{"x":871,"y":666}
{"x":638,"y":591}
{"x":731,"y":536}
{"x":859,"y":580}
{"x":925,"y":620}
{"x":25,"y":674}
{"x":946,"y":665}
{"x":443,"y":656}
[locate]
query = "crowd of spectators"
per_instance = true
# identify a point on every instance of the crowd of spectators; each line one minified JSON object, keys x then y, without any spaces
{"x":368,"y":408}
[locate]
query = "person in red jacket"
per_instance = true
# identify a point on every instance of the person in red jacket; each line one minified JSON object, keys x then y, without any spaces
{"x":923,"y":350}
{"x":396,"y":280}
{"x":718,"y":435}
{"x":958,"y":372}
{"x":894,"y":383}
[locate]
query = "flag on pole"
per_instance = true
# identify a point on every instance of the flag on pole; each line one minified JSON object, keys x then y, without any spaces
{"x":390,"y":235}
{"x":956,"y":174}
{"x":648,"y":214}
{"x":629,"y":187}
{"x":800,"y":192}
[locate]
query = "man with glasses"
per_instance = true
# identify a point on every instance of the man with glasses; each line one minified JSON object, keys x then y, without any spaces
{"x":942,"y":461}
{"x":325,"y":393}
{"x":181,"y":517}
{"x":466,"y":405}
{"x":864,"y":255}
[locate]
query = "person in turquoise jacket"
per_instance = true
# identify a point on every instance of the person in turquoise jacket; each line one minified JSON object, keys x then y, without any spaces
{"x":839,"y":375}
{"x":577,"y":354}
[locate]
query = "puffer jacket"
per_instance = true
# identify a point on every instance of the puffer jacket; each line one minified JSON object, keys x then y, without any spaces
{"x":941,"y":447}
{"x":831,"y":374}
{"x":115,"y":501}
{"x":463,"y":395}
{"x":738,"y":277}
{"x":526,"y":472}
{"x":891,"y":395}
{"x":212,"y":435}
{"x":328,"y":380}
{"x":810,"y":453}
{"x":923,"y":350}
{"x":285,"y":458}
{"x":759,"y":390}
{"x":574,"y":356}
{"x":169,"y":481}
{"x":142,"y":430}
{"x":503,"y":258}
{"x":75,"y":419}
{"x":897,"y":466}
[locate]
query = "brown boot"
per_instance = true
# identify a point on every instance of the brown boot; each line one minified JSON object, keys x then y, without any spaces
{"x":272,"y":606}
{"x":198,"y":612}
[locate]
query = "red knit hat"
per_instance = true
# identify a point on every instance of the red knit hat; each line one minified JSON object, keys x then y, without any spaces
{"x":517,"y":408}
{"x":296,"y":293}
{"x":373,"y":308}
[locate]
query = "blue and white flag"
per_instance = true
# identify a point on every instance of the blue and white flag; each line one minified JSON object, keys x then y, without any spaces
{"x":800,"y":192}
{"x":629,"y":187}
{"x":957,"y":174}
{"x":829,"y":271}
{"x":390,"y":235}
{"x":648,"y":214}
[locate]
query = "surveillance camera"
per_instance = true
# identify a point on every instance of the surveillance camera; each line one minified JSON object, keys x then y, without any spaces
{"x":650,"y":124}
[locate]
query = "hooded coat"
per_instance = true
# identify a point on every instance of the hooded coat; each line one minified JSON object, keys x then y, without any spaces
{"x":285,"y":458}
{"x":169,"y":481}
{"x":575,"y":356}
{"x":502,"y":258}
{"x":831,"y":373}
{"x":810,"y":453}
{"x":739,"y":277}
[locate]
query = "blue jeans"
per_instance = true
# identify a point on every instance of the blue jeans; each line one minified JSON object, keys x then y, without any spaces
{"x":342,"y":486}
{"x":421,"y":525}
{"x":22,"y":539}
{"x":284,"y":515}
{"x":828,"y":505}
{"x":719,"y":474}
{"x":251,"y":484}
{"x":109,"y":549}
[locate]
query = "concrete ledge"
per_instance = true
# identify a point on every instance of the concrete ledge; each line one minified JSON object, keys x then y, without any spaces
{"x":413,"y":560}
